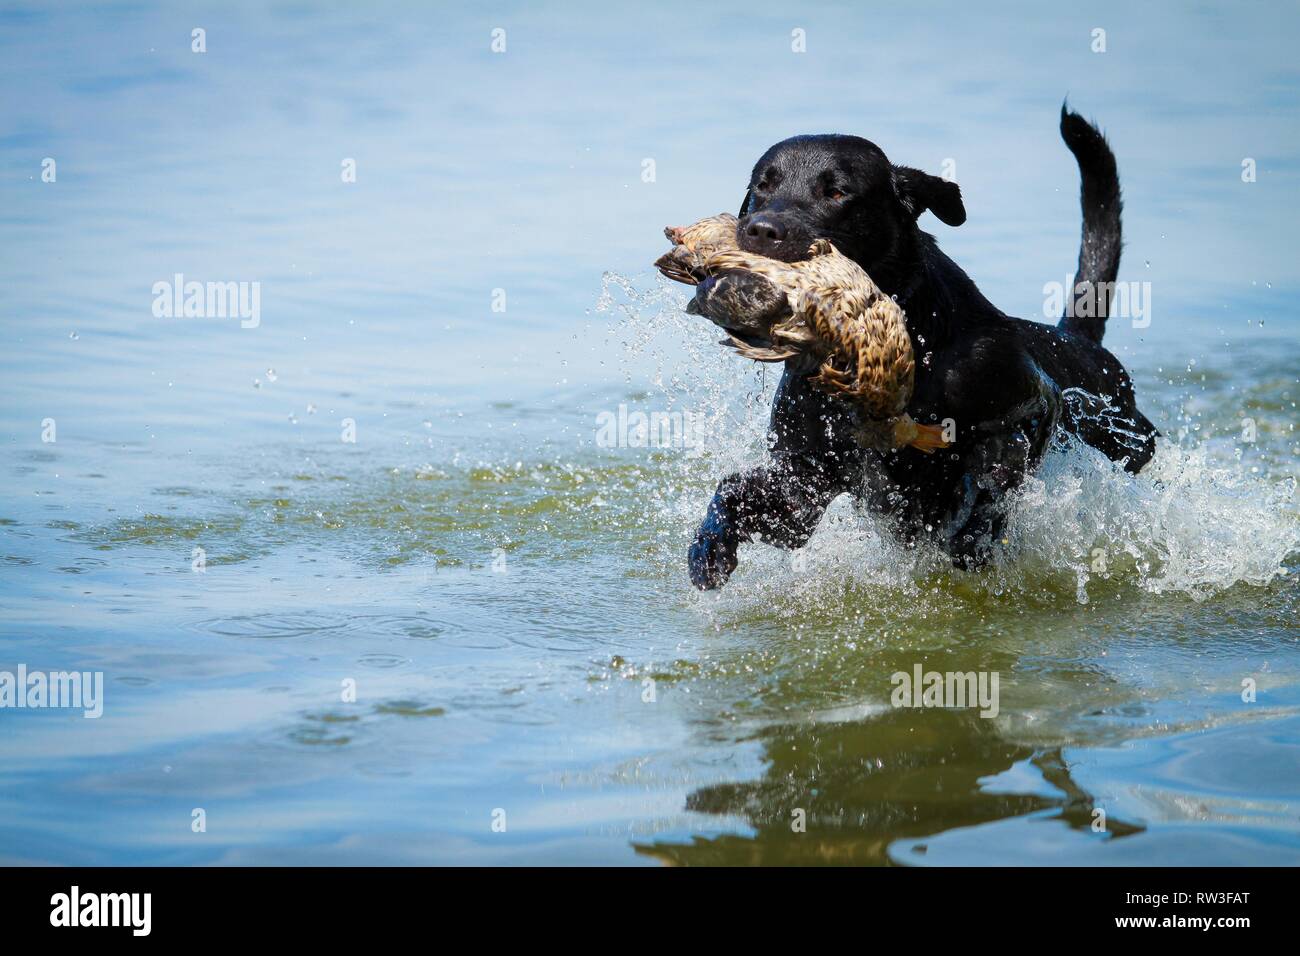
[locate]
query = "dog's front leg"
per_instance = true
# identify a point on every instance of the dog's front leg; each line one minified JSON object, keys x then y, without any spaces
{"x":810,"y":437}
{"x":777,"y":504}
{"x":1004,"y":450}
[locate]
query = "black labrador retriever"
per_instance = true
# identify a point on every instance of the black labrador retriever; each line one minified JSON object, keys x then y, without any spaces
{"x":1001,"y":386}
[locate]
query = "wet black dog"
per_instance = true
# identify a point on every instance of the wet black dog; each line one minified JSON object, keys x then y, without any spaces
{"x":1002,"y":386}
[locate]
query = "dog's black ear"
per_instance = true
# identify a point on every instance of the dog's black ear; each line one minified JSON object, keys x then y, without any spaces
{"x":920,"y":191}
{"x":744,"y":204}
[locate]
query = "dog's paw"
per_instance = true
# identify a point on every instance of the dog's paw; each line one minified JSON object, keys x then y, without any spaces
{"x":711,"y":560}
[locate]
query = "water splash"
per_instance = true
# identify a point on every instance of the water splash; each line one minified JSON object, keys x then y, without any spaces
{"x":1186,"y":524}
{"x":1196,"y":522}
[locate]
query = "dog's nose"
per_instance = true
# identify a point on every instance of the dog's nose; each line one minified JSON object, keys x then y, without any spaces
{"x":765,"y":230}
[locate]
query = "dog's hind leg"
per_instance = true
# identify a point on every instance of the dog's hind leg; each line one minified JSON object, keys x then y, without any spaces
{"x":1113,"y":426}
{"x":1137,"y":458}
{"x":1130,"y":439}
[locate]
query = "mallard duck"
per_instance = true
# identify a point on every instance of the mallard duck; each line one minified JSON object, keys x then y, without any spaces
{"x":825,"y":307}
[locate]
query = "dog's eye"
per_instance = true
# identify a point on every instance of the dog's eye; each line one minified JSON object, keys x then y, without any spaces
{"x":830,"y":192}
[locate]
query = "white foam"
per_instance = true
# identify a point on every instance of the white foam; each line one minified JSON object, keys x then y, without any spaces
{"x":1186,"y":524}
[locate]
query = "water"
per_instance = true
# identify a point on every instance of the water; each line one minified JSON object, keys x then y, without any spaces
{"x":507,"y":597}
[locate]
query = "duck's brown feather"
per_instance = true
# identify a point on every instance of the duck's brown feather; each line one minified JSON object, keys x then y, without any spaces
{"x":837,"y":315}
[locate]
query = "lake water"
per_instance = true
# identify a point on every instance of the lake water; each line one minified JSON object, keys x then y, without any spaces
{"x":363,"y":585}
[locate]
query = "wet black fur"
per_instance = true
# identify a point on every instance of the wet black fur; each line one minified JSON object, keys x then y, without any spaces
{"x":1007,"y":384}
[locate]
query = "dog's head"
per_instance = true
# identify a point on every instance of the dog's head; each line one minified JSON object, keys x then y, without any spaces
{"x":841,"y":188}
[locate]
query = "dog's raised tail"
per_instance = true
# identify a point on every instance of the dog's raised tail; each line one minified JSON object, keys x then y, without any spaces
{"x":1094,"y":278}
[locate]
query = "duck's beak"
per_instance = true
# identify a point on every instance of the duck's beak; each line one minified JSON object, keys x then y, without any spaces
{"x":674,"y":234}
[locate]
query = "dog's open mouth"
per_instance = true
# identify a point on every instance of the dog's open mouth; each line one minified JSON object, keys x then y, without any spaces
{"x":783,"y":254}
{"x":795,"y":249}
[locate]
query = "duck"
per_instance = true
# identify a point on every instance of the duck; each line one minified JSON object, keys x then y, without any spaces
{"x":825,"y":308}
